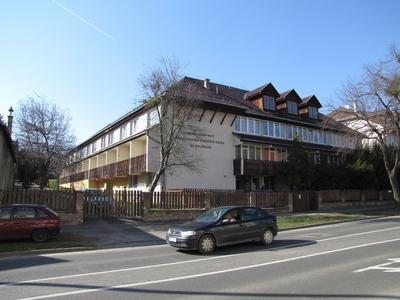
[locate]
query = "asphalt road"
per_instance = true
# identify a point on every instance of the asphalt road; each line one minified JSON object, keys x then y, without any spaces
{"x":356,"y":260}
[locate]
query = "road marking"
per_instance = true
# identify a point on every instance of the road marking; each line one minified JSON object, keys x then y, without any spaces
{"x":384,"y":267}
{"x":115,"y":271}
{"x":356,"y":234}
{"x":176,"y":263}
{"x":85,"y":291}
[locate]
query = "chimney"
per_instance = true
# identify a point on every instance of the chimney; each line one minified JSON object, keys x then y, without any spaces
{"x":207,"y":83}
{"x":10,"y":120}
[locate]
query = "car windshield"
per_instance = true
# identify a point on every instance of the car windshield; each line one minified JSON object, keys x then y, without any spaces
{"x":210,"y":216}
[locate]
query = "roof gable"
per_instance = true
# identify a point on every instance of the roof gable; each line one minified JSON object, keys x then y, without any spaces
{"x":290,"y":95}
{"x":265,"y":90}
{"x":310,"y":101}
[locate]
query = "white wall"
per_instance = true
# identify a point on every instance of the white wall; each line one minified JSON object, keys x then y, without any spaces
{"x":214,"y":149}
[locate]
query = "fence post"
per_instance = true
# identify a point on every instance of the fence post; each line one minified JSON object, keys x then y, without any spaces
{"x":207,"y":201}
{"x":290,"y":202}
{"x":147,"y":198}
{"x":342,"y":196}
{"x":380,"y":195}
{"x":320,"y":200}
{"x":80,"y":206}
{"x":362,"y":196}
{"x":252,"y":200}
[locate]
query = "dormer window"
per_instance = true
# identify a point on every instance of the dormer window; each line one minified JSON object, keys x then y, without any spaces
{"x":313,"y":112}
{"x":292,"y":107}
{"x":269,"y":102}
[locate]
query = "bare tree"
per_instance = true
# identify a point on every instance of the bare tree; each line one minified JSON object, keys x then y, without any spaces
{"x":44,"y":135}
{"x":372,"y":107}
{"x":176,"y":112}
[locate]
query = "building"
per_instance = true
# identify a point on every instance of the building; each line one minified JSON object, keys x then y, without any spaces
{"x":7,"y":155}
{"x":366,"y":124}
{"x":245,"y":135}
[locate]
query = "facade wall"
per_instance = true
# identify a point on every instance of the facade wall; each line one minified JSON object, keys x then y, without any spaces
{"x":215,"y":151}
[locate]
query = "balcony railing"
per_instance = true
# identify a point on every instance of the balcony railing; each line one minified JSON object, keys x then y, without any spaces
{"x":256,"y":168}
{"x":133,"y":166}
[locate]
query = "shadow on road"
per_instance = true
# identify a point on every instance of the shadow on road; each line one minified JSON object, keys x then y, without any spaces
{"x":26,"y":262}
{"x":255,"y":247}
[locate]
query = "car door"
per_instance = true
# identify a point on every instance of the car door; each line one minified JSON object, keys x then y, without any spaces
{"x":24,"y":221}
{"x":251,"y":222}
{"x":5,"y":222}
{"x":228,"y":232}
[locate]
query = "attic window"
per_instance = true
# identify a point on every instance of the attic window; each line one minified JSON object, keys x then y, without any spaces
{"x":313,"y":112}
{"x":269,"y":102}
{"x":292,"y":107}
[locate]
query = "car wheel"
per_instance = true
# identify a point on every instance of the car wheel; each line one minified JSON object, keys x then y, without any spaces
{"x":40,"y":235}
{"x":267,"y":236}
{"x":206,"y":244}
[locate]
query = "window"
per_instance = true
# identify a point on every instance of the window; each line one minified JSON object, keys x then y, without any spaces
{"x":277,"y":130}
{"x":269,"y":102}
{"x":252,"y":154}
{"x":313,"y":112}
{"x":41,"y":213}
{"x":267,"y":155}
{"x":251,"y":126}
{"x":245,"y":152}
{"x":88,"y":149}
{"x":238,"y":154}
{"x":270,"y":129}
{"x":5,"y":213}
{"x":243,"y":124}
{"x":237,"y":124}
{"x":258,"y":153}
{"x":103,"y":142}
{"x":283,"y":130}
{"x":257,"y":127}
{"x":251,"y":214}
{"x":292,"y":107}
{"x":110,"y":139}
{"x":289,"y":132}
{"x":133,"y":127}
{"x":265,"y":128}
{"x":24,"y":212}
{"x":123,"y":132}
{"x":94,"y":147}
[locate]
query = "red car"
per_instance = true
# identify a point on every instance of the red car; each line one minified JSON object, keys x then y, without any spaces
{"x":28,"y":221}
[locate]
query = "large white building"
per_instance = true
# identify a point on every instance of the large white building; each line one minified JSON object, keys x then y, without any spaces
{"x":245,"y":135}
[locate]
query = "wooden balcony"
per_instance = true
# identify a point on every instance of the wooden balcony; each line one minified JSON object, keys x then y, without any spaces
{"x":133,"y":166}
{"x":256,"y":168}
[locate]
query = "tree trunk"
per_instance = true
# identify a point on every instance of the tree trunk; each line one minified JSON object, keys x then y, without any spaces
{"x":395,"y":186}
{"x":154,"y":182}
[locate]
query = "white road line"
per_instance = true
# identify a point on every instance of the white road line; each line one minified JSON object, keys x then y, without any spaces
{"x":356,"y":234}
{"x":115,"y":271}
{"x":176,"y":263}
{"x":205,"y":274}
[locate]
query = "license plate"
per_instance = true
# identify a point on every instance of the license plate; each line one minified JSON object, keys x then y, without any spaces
{"x":172,"y":239}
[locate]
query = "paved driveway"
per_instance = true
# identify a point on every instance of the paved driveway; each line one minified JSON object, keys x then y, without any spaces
{"x":117,"y":232}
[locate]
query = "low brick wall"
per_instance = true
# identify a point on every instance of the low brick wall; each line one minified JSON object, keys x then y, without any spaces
{"x":354,"y":204}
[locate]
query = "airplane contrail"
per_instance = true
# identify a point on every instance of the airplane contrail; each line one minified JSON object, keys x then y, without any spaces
{"x":84,"y":20}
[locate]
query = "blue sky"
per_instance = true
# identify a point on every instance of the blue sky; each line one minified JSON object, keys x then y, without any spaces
{"x":88,"y":59}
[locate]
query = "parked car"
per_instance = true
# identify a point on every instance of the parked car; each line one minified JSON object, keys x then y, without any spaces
{"x":28,"y":221}
{"x":224,"y":226}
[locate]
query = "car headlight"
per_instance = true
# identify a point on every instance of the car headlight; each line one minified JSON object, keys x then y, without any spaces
{"x":188,"y":233}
